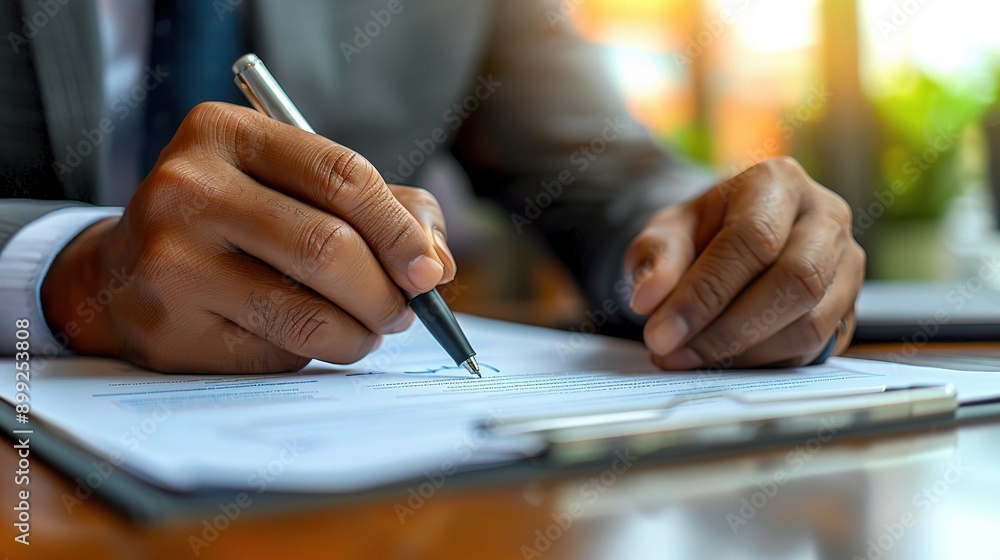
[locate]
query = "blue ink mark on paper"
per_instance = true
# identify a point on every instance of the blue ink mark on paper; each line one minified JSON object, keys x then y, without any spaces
{"x":442,"y":369}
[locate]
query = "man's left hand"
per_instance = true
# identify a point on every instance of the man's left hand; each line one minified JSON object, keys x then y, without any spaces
{"x":760,"y":270}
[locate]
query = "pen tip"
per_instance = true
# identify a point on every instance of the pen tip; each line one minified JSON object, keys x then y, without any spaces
{"x":472,"y":366}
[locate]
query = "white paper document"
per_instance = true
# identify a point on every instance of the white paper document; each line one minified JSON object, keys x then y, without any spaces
{"x":403,"y":412}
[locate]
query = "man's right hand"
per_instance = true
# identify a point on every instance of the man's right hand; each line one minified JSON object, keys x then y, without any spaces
{"x":252,"y":246}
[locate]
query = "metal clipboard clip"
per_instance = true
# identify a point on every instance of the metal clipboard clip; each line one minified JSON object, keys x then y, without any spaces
{"x":581,"y":438}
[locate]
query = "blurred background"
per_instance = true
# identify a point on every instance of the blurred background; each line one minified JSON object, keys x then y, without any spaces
{"x":891,"y":103}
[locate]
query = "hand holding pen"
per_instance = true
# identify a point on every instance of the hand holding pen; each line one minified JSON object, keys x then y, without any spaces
{"x":251,"y":247}
{"x":264,"y":93}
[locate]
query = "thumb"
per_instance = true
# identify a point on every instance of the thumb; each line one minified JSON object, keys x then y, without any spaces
{"x":659,"y":256}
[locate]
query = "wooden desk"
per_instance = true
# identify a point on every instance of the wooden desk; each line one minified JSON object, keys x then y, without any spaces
{"x":933,"y":494}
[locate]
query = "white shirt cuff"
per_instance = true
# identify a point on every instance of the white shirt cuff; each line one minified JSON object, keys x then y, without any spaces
{"x":24,"y":262}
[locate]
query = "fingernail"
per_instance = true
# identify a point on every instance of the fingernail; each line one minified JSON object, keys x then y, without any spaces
{"x":424,"y":272}
{"x":668,"y":335}
{"x":444,"y":252}
{"x":685,"y":358}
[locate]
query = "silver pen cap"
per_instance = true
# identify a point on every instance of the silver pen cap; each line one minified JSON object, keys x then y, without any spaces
{"x":264,"y":93}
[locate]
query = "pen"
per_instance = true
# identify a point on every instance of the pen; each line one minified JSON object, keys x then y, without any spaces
{"x":264,"y":93}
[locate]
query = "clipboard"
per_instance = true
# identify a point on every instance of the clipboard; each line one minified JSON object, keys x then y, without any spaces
{"x":145,"y":503}
{"x":657,"y":431}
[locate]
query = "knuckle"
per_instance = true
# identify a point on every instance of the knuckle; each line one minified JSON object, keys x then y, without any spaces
{"x":324,"y":240}
{"x":156,"y":244}
{"x":163,"y":260}
{"x":172,"y":172}
{"x":757,"y":238}
{"x":206,"y":111}
{"x":299,"y":327}
{"x":201,"y":115}
{"x":784,"y":164}
{"x":241,"y":134}
{"x":219,"y":127}
{"x":805,"y":276}
{"x":423,"y":198}
{"x":393,"y":234}
{"x":164,"y":182}
{"x":331,"y":165}
{"x":421,"y":203}
{"x":179,"y":189}
{"x":708,"y":292}
{"x":204,"y":117}
{"x":860,"y":254}
{"x":841,"y":211}
{"x":349,"y":179}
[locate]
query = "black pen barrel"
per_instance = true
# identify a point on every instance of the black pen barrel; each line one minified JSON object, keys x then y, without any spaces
{"x":434,"y":313}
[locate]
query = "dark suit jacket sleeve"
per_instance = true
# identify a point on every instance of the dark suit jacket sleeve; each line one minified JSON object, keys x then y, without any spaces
{"x":554,"y":144}
{"x":17,"y":213}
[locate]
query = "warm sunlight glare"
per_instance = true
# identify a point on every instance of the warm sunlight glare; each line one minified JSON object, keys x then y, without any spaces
{"x":768,"y":26}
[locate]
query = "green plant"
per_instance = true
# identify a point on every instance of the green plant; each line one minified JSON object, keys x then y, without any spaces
{"x":923,"y":120}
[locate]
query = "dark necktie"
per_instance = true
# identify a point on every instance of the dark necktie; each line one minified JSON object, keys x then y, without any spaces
{"x":196,"y":43}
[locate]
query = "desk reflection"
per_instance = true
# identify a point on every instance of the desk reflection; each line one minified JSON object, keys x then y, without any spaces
{"x":925,"y":495}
